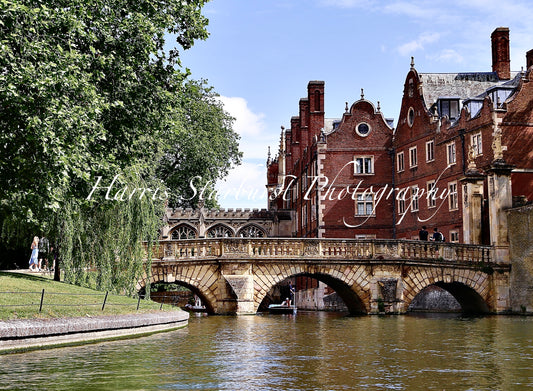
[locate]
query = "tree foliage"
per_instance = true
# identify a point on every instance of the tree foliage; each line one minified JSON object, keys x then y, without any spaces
{"x":87,"y":89}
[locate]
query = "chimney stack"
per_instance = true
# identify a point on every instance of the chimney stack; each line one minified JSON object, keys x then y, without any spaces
{"x":501,"y":60}
{"x":529,"y":59}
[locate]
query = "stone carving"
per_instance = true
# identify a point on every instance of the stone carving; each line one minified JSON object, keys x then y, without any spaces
{"x":311,"y":249}
{"x":388,"y":289}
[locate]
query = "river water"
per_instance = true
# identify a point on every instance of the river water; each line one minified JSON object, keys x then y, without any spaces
{"x":309,"y":351}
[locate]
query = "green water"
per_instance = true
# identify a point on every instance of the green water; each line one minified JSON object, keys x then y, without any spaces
{"x":311,"y":351}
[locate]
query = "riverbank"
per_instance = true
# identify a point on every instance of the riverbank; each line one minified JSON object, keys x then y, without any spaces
{"x":72,"y":315}
{"x":31,"y":334}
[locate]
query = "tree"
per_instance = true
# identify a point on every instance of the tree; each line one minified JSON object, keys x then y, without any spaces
{"x":87,"y":90}
{"x":203,"y":152}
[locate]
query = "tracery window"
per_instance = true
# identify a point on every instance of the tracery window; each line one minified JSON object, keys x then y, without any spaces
{"x":220,"y":231}
{"x":251,"y":231}
{"x":183,"y":232}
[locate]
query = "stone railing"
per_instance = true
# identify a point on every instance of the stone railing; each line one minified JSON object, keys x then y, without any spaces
{"x":339,"y":249}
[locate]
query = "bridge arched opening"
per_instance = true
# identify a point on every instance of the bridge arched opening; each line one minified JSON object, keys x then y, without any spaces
{"x":449,"y":297}
{"x":316,"y":292}
{"x":179,"y":294}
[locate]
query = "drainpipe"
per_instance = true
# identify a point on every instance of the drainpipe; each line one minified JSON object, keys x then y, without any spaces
{"x":392,"y":153}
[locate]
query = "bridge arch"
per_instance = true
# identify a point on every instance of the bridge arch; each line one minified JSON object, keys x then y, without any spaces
{"x":469,"y":288}
{"x":354,"y":295}
{"x":202,"y":288}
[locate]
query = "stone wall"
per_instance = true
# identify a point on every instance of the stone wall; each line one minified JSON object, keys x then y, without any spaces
{"x":520,"y":222}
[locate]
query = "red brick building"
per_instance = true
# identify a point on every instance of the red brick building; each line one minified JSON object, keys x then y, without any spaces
{"x":458,"y":136}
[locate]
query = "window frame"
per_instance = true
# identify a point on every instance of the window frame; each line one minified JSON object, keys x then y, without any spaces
{"x":413,"y":157}
{"x":476,"y":140}
{"x":415,"y":204}
{"x":453,"y":196}
{"x":400,"y":162}
{"x":431,"y":202}
{"x":363,"y":158}
{"x":430,"y":151}
{"x":450,"y":147}
{"x":365,"y":202}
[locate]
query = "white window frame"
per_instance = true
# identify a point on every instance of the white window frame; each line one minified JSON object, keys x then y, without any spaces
{"x":365,"y":203}
{"x":451,"y":153}
{"x":430,"y":151}
{"x":415,"y":205}
{"x":431,"y":201}
{"x":454,"y":236}
{"x":453,"y":196}
{"x":413,"y":157}
{"x":363,"y":166}
{"x":401,"y":206}
{"x":400,"y":162}
{"x":477,"y":142}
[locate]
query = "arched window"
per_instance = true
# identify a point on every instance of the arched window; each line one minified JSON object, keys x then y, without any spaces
{"x":183,"y":232}
{"x":251,"y":231}
{"x":220,"y":231}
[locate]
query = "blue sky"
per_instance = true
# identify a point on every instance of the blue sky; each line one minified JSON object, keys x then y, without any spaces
{"x":262,"y":53}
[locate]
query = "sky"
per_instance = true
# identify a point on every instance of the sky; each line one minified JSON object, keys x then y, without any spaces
{"x":261,"y":54}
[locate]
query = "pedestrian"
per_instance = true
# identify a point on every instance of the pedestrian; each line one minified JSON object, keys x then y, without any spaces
{"x":34,"y":254}
{"x":291,"y":293}
{"x":437,"y":235}
{"x":43,"y":253}
{"x":423,"y":234}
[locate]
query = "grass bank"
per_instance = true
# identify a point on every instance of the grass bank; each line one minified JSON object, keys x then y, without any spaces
{"x":20,"y":298}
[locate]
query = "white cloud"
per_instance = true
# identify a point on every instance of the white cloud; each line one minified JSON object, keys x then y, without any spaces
{"x":244,"y":187}
{"x":447,"y":55}
{"x":246,"y":121}
{"x":418,"y":44}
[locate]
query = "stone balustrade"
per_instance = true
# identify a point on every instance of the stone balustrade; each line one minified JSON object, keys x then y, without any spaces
{"x":348,"y":249}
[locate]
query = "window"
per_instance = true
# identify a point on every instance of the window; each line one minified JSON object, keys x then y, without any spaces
{"x":450,"y":153}
{"x":449,"y":108}
{"x":399,"y":162}
{"x":401,"y":206}
{"x":251,"y":231}
{"x":304,"y":216}
{"x":431,"y":195}
{"x":430,"y":151}
{"x":183,"y":232}
{"x":364,"y":165}
{"x":364,"y":204}
{"x":220,"y":231}
{"x":411,"y":116}
{"x":475,"y":141}
{"x":452,"y":197}
{"x":363,"y":129}
{"x":414,"y":199}
{"x":412,"y":157}
{"x":454,"y":236}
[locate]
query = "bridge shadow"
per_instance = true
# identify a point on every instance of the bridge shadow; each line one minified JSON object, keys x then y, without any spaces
{"x":350,"y":298}
{"x":439,"y":300}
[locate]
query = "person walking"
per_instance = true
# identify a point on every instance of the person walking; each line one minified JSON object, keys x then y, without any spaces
{"x":437,"y":235}
{"x":34,"y":254}
{"x":423,"y":234}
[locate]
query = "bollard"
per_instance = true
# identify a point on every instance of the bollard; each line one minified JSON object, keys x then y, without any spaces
{"x":138,"y":302}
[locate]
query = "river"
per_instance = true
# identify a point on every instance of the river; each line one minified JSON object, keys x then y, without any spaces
{"x":309,"y":351}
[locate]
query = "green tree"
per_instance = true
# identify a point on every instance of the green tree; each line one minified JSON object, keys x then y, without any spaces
{"x":87,"y":90}
{"x":204,"y":152}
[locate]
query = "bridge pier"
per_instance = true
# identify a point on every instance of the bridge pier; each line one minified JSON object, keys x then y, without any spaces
{"x":243,"y":288}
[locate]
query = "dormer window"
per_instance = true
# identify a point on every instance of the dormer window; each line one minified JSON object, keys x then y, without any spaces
{"x":449,"y":107}
{"x":500,"y":95}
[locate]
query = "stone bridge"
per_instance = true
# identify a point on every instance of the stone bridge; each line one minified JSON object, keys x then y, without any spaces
{"x":234,"y":275}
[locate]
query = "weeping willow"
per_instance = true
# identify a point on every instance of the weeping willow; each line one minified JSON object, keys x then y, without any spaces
{"x":107,"y":245}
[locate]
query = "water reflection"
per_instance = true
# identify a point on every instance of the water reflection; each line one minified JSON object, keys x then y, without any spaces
{"x":309,"y":351}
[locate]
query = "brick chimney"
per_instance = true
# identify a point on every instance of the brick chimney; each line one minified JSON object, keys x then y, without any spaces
{"x":529,"y":59}
{"x":501,"y":60}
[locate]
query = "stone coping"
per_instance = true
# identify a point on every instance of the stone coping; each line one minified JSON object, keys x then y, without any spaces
{"x":29,"y":334}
